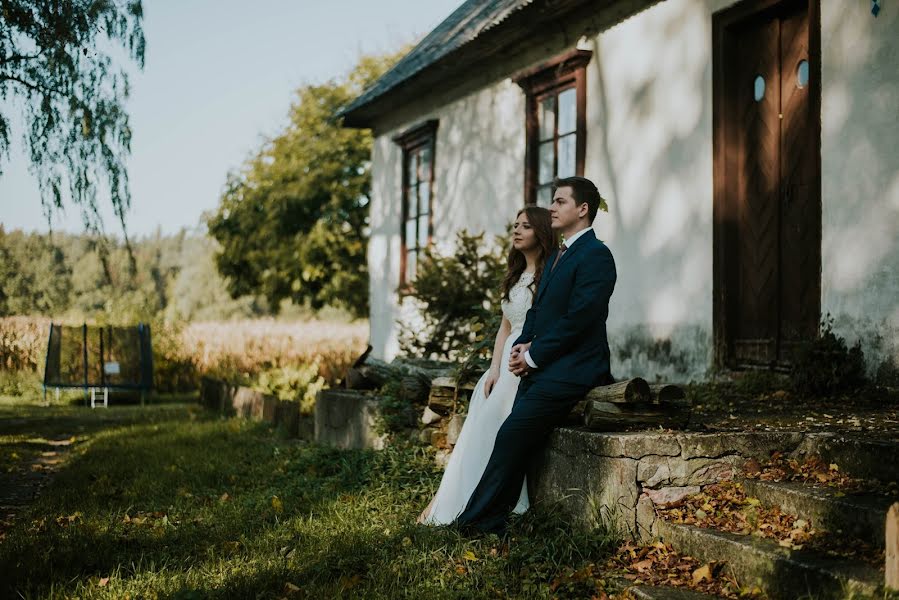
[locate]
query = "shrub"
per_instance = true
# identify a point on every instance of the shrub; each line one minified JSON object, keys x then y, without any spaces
{"x":300,"y":383}
{"x":827,"y":366}
{"x":456,"y":297}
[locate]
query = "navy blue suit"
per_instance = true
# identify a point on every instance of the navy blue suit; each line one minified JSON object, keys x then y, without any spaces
{"x":566,"y":326}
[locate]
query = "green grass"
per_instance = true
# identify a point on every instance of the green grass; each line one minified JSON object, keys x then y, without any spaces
{"x":168,"y":501}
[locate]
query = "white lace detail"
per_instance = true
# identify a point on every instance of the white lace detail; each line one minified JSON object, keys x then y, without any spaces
{"x":515,"y":309}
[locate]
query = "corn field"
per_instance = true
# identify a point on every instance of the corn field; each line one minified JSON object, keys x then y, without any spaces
{"x":182,"y":353}
{"x":23,"y":343}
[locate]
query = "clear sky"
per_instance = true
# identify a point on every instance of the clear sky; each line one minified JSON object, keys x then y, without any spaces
{"x":219,"y":77}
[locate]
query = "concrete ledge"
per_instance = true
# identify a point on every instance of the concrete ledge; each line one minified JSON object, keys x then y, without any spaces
{"x":244,"y":402}
{"x":347,"y":419}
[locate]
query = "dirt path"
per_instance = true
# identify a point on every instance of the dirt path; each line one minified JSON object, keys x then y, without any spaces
{"x":29,"y":466}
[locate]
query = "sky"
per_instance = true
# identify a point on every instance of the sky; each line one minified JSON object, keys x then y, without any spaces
{"x":219,"y":77}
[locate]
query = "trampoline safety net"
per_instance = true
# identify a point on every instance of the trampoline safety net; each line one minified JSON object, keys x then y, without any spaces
{"x":99,"y":357}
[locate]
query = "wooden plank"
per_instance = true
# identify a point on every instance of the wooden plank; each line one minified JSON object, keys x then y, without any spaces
{"x":892,"y":548}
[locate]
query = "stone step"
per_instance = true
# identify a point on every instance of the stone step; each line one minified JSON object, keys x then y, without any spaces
{"x":646,"y":592}
{"x":858,"y":457}
{"x":782,"y":573}
{"x":859,"y":516}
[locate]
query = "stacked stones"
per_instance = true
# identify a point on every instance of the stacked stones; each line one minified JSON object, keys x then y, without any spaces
{"x":441,"y":419}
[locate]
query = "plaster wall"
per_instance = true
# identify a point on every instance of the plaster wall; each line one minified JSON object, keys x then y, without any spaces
{"x":649,"y":149}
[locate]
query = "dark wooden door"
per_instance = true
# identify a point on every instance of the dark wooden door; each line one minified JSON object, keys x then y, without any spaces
{"x":767,"y":186}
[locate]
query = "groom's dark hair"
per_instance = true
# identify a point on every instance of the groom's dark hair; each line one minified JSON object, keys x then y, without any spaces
{"x":583,"y":190}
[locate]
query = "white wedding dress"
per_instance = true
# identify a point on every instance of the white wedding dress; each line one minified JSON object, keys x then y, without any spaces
{"x":485,"y":415}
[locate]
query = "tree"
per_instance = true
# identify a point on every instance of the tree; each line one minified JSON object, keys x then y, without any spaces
{"x":71,"y":97}
{"x":41,"y":280}
{"x":292,"y":221}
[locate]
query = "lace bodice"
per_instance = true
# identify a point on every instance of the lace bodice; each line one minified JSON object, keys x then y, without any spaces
{"x":515,"y":309}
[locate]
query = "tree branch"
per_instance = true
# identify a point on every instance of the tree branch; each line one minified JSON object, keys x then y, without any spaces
{"x":18,"y":57}
{"x":32,"y":86}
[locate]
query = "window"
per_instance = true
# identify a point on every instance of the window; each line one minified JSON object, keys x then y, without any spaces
{"x":418,"y":187}
{"x":556,"y":122}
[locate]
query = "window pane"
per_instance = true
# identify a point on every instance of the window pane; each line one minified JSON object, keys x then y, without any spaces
{"x":424,"y":164}
{"x":410,"y":234}
{"x":547,"y":154}
{"x":412,"y":168}
{"x":802,"y":74}
{"x":411,"y":257}
{"x":547,"y":116}
{"x":410,"y":202}
{"x":423,"y":230}
{"x":567,"y":148}
{"x":759,"y":88}
{"x":424,"y":198}
{"x":545,"y":196}
{"x":567,"y":111}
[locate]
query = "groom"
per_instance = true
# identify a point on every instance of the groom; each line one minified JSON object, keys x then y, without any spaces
{"x":561,"y":354}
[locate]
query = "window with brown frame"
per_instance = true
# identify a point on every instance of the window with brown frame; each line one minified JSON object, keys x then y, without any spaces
{"x":556,"y":122}
{"x":418,"y":191}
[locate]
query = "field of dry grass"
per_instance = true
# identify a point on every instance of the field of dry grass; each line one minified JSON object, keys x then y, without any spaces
{"x":229,"y":349}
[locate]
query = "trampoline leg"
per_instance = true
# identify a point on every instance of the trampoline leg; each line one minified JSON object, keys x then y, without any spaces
{"x":93,"y":398}
{"x":105,"y":397}
{"x":57,"y":395}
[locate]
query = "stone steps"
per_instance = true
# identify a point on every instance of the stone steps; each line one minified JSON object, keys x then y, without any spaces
{"x":645,"y":592}
{"x":859,"y":457}
{"x":780,"y":572}
{"x":859,"y":516}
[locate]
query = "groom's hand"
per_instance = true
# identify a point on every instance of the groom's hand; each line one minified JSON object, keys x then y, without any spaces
{"x":517,"y":364}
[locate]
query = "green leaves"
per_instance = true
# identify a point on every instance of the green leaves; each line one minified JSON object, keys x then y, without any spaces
{"x":458,"y":297}
{"x":292,"y":221}
{"x":54,"y":60}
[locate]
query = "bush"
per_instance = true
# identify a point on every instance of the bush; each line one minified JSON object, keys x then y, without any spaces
{"x":827,"y":366}
{"x":299,"y":384}
{"x":456,"y":297}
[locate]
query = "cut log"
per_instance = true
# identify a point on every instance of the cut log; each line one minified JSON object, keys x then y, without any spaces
{"x":631,"y":390}
{"x":666,"y":392}
{"x":610,"y":416}
{"x":892,"y":548}
{"x":370,"y":375}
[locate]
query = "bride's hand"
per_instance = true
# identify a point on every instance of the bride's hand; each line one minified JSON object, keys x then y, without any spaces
{"x":492,"y":376}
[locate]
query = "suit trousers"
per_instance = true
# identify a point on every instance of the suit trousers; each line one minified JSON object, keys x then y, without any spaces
{"x":539,"y":407}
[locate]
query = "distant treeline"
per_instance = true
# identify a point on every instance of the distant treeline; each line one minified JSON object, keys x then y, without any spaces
{"x":66,"y":276}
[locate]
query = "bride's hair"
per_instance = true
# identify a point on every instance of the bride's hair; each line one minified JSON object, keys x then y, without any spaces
{"x":547,"y":241}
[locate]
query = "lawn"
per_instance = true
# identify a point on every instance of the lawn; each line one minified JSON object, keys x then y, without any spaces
{"x":169,"y":501}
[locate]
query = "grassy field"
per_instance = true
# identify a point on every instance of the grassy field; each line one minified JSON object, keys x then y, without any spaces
{"x":171,"y":502}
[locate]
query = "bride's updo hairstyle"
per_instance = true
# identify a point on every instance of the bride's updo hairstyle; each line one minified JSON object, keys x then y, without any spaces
{"x":547,"y":242}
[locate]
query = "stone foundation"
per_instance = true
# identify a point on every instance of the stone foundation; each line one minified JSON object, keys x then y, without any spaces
{"x":613,"y":479}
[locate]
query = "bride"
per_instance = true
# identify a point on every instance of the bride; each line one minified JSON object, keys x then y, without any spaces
{"x":533,"y":240}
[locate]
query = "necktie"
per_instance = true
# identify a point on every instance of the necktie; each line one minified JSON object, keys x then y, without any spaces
{"x":558,"y":256}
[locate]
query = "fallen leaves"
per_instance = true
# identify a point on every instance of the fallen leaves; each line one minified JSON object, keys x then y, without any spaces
{"x":726,"y":507}
{"x":813,"y":470}
{"x":659,"y":565}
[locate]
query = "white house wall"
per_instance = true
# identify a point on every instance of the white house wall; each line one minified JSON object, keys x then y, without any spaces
{"x":860,"y":176}
{"x":479,"y":159}
{"x":649,"y":149}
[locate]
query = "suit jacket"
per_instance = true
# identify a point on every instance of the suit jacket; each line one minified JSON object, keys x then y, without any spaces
{"x":566,"y":324}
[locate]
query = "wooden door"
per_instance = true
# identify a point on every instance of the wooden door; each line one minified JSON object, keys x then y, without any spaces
{"x":767,"y":182}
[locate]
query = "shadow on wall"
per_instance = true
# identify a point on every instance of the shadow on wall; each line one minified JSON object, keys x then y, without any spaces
{"x":860,"y":179}
{"x":652,"y":154}
{"x":480,"y":163}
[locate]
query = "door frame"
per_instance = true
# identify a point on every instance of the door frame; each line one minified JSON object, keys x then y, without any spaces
{"x":724,"y":232}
